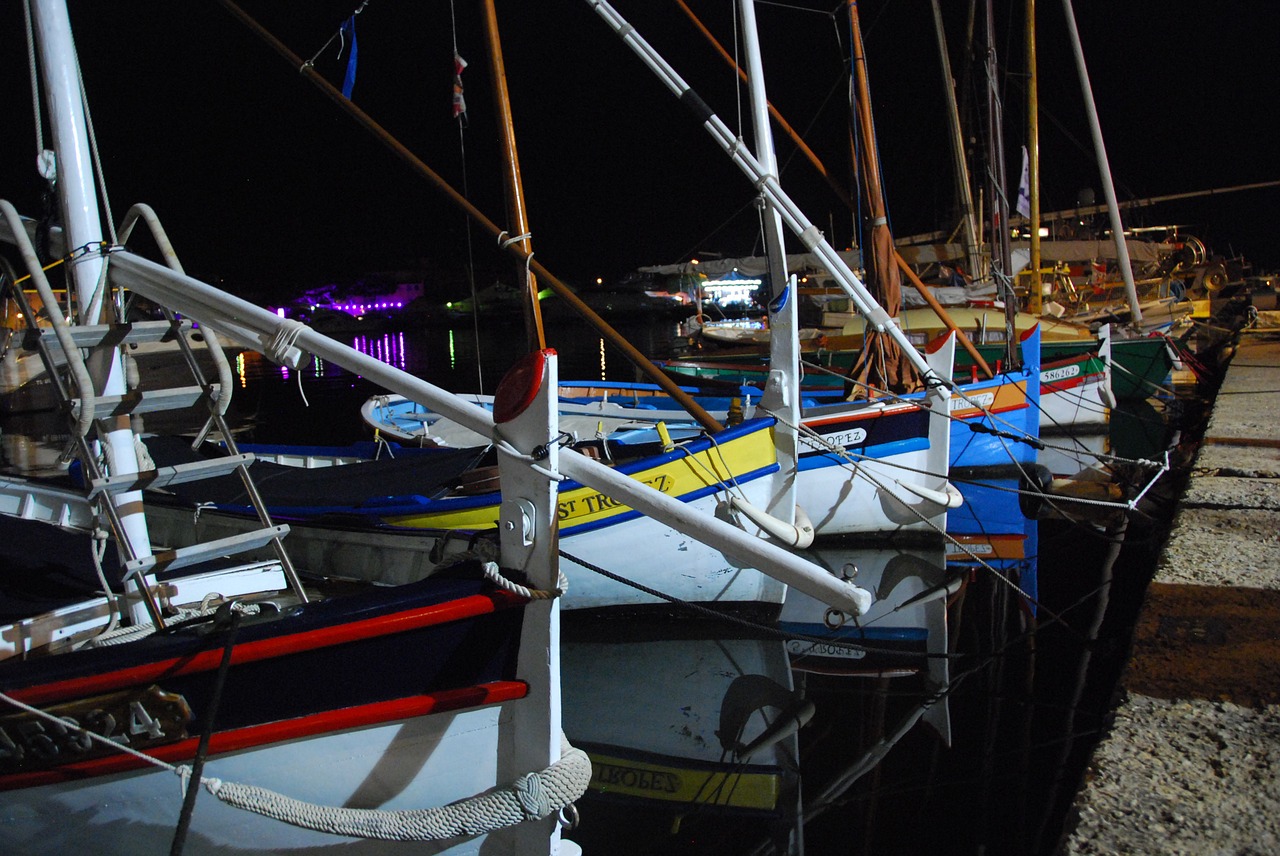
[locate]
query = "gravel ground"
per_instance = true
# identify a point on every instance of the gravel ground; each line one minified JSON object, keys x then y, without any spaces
{"x":1191,"y":764}
{"x":1183,"y":777}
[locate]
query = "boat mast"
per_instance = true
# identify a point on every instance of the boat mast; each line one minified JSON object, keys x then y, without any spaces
{"x":880,"y":365}
{"x":782,"y":390}
{"x":71,"y":173}
{"x":1104,"y":168}
{"x":997,"y":197}
{"x":1034,"y":293}
{"x":514,"y":184}
{"x":964,"y":191}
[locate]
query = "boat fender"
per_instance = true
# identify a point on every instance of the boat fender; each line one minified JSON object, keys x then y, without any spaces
{"x":947,"y":498}
{"x":799,"y":534}
{"x":1034,"y":484}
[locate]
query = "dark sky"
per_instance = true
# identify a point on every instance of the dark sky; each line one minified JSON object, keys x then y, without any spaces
{"x":266,"y":186}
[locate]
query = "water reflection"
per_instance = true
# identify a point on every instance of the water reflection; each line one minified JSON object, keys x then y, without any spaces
{"x":691,"y":729}
{"x":926,"y":729}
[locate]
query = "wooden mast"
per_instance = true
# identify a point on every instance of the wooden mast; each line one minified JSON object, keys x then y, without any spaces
{"x":1034,"y":294}
{"x":998,"y":198}
{"x":964,"y":189}
{"x":880,"y":365}
{"x":513,"y":182}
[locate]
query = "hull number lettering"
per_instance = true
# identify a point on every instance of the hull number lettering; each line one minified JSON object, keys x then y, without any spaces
{"x":137,"y":719}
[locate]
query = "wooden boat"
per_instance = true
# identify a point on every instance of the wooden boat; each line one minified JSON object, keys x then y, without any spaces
{"x":100,"y":709}
{"x":437,"y":503}
{"x":872,"y":468}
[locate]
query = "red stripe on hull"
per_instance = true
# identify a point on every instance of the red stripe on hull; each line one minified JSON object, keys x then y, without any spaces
{"x":247,"y":652}
{"x":1064,"y":385}
{"x":275,"y":732}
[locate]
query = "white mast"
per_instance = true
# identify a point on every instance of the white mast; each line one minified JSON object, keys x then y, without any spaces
{"x":1108,"y":187}
{"x":782,"y":391}
{"x":73,"y":177}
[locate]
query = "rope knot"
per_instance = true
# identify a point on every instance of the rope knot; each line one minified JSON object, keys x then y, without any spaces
{"x":533,"y":798}
{"x":283,"y":341}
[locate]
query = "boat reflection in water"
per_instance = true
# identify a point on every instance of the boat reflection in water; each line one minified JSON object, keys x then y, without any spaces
{"x":692,"y":732}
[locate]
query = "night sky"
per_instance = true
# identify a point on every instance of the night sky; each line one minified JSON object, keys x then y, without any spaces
{"x":266,"y":187}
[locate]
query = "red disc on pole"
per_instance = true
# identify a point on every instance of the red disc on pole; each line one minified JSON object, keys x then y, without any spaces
{"x":520,"y":386}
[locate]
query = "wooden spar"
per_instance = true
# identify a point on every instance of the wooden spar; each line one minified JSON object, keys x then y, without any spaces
{"x":563,"y":291}
{"x":1089,"y":210}
{"x":1035,"y":299}
{"x":1108,"y":187}
{"x":996,"y":186}
{"x":514,"y":183}
{"x":817,"y":164}
{"x":946,"y":318}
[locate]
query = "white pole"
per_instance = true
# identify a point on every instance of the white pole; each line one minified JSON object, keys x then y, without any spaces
{"x":1108,"y":187}
{"x":782,"y":391}
{"x":82,"y":222}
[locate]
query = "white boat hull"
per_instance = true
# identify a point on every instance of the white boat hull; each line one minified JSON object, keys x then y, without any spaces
{"x":403,"y":765}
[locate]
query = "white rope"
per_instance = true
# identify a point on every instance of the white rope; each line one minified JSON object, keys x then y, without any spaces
{"x":494,"y":575}
{"x":532,"y":796}
{"x":283,"y":339}
{"x":121,"y":635}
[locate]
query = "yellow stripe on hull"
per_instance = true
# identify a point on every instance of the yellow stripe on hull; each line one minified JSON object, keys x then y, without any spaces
{"x":677,"y":477}
{"x":625,"y":777}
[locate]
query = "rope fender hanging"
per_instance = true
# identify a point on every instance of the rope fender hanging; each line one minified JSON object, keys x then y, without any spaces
{"x":532,"y":796}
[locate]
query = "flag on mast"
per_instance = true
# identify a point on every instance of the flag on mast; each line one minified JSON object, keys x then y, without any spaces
{"x":459,"y":103}
{"x":349,"y":82}
{"x":1024,"y":187}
